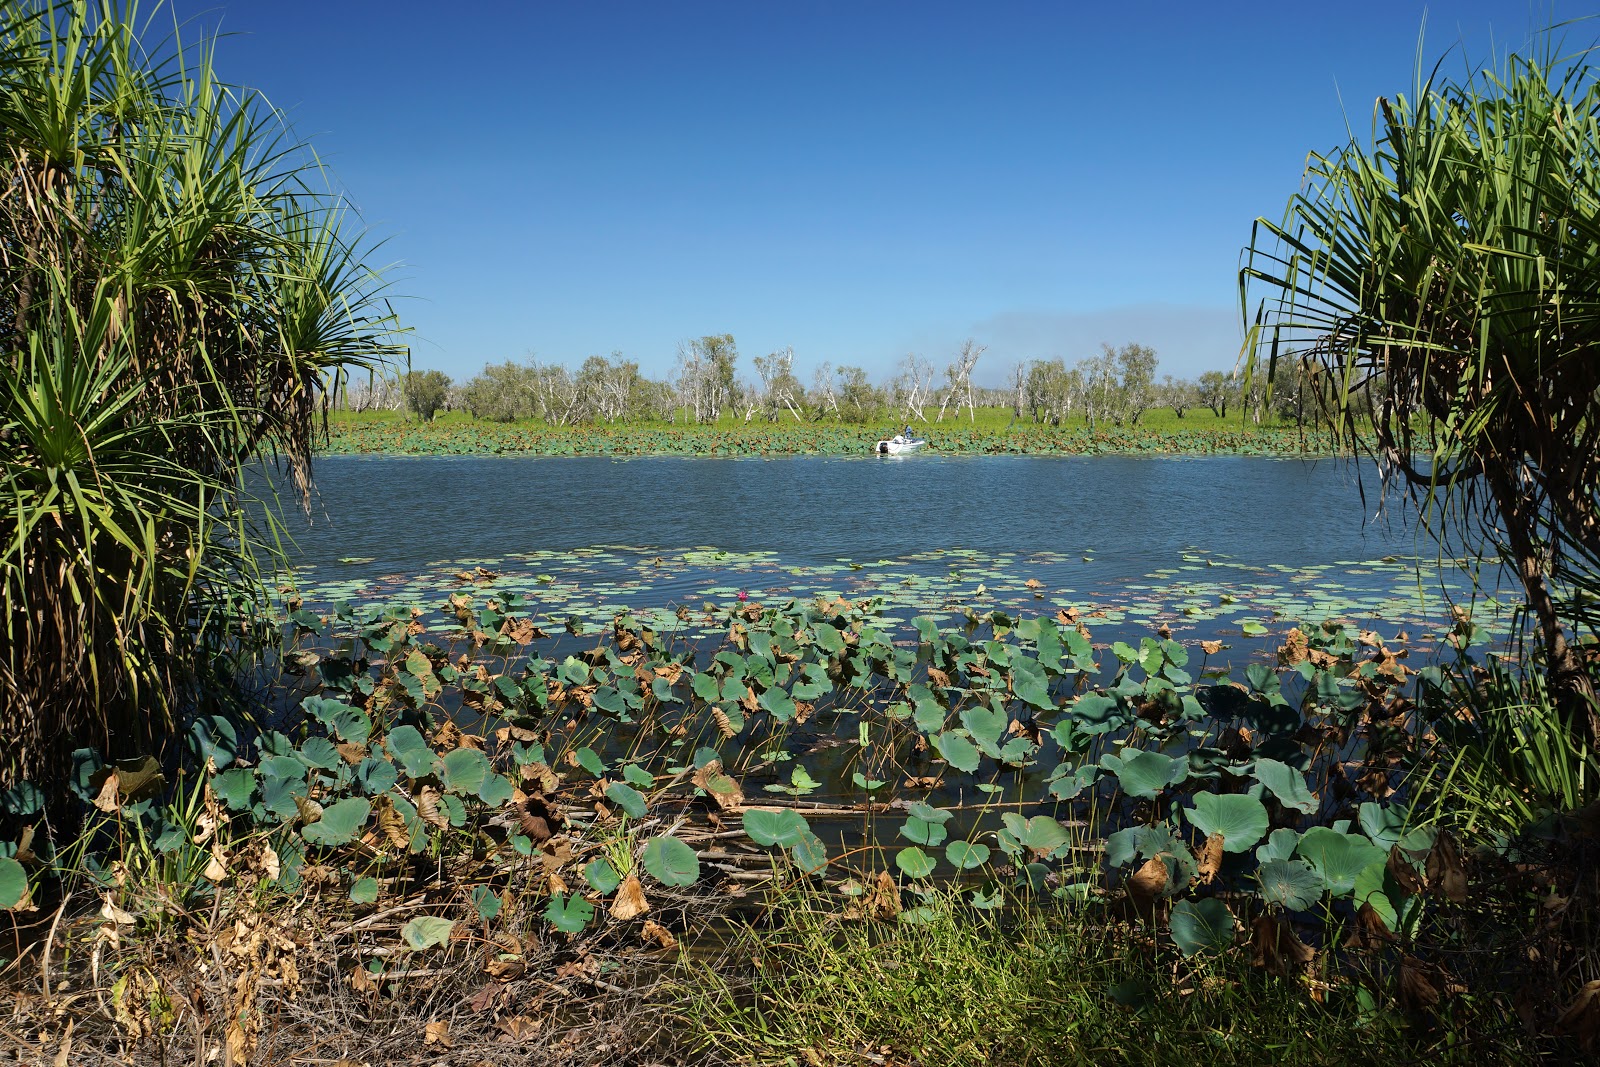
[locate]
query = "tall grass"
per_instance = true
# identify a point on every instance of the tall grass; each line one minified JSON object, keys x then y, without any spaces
{"x":1503,"y":757}
{"x":1063,"y":984}
{"x":176,"y":299}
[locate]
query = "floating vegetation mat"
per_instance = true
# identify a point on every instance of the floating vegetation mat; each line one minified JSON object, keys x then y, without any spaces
{"x":1205,"y":595}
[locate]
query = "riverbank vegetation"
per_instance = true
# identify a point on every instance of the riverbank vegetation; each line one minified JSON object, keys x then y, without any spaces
{"x":1116,"y":389}
{"x":176,"y":301}
{"x":248,"y":822}
{"x":991,"y":431}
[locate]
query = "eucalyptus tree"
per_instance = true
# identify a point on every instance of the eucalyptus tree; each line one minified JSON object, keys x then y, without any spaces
{"x":706,"y":375}
{"x":1102,"y":388}
{"x":858,"y":400}
{"x":1051,"y":390}
{"x":914,"y":386}
{"x":779,"y":390}
{"x":1136,"y":376}
{"x":1448,"y":271}
{"x":1216,"y":390}
{"x":377,"y":390}
{"x":958,"y":381}
{"x":606,"y":386}
{"x":426,"y":391}
{"x":503,"y":392}
{"x":177,"y":299}
{"x":824,"y":397}
{"x":1179,"y":394}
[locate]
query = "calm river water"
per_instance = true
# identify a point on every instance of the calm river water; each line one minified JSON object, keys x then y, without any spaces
{"x":1130,"y":514}
{"x":1201,"y":541}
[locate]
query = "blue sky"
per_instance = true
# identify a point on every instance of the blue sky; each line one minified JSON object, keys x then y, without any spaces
{"x":858,"y":180}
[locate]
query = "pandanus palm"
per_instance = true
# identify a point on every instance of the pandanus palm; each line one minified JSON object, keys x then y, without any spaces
{"x":177,"y":300}
{"x":1449,"y":274}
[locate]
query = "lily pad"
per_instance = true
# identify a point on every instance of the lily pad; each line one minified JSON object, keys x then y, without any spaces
{"x":670,"y":861}
{"x":1203,"y":925}
{"x":1240,"y":819}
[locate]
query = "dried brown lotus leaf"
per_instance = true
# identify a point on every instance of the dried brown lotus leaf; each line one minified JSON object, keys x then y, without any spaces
{"x":1209,"y":859}
{"x":1275,"y":947}
{"x":391,"y":824}
{"x":428,"y":808}
{"x":722,"y":789}
{"x":1149,"y":882}
{"x":657,"y":934}
{"x":1445,"y":870}
{"x":629,"y":902}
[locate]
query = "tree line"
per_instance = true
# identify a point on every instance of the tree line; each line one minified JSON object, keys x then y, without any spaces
{"x":1116,"y":386}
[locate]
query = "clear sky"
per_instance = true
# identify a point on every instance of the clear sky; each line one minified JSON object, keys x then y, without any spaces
{"x":857,"y":179}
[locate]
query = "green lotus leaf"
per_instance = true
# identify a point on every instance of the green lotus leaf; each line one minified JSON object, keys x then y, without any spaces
{"x":462,"y":771}
{"x":406,"y":744}
{"x":1097,"y":714}
{"x":923,"y":810}
{"x":1287,"y":784}
{"x":235,"y":787}
{"x":281,"y":767}
{"x":958,"y":752}
{"x":352,"y":725}
{"x":1291,"y":884}
{"x":923,"y":832}
{"x":1240,"y":819}
{"x":277,"y":795}
{"x":568,"y":914}
{"x":1145,"y":774}
{"x":340,"y":822}
{"x":1202,"y":925}
{"x":22,"y":800}
{"x":705,"y":687}
{"x":929,"y":715}
{"x":426,"y":931}
{"x":670,"y":861}
{"x":1383,"y":823}
{"x":1279,"y":845}
{"x":601,"y":876}
{"x":627,"y":798}
{"x":914,"y":862}
{"x":965,"y":855}
{"x":215,"y":739}
{"x":779,"y":703}
{"x":809,"y":853}
{"x":495,"y":791}
{"x":365,"y":890}
{"x":591,"y":762}
{"x":13,"y":883}
{"x":987,"y":725}
{"x":487,"y":901}
{"x":1339,"y":858}
{"x":1040,"y":834}
{"x":1068,"y":786}
{"x":784,"y":827}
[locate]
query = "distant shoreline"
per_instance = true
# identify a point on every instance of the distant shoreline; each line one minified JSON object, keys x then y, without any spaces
{"x":456,"y":438}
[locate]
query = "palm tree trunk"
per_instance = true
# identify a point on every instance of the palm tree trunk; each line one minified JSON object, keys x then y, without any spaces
{"x":1571,"y":683}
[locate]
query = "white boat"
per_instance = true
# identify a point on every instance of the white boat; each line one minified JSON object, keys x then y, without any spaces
{"x":898,"y":445}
